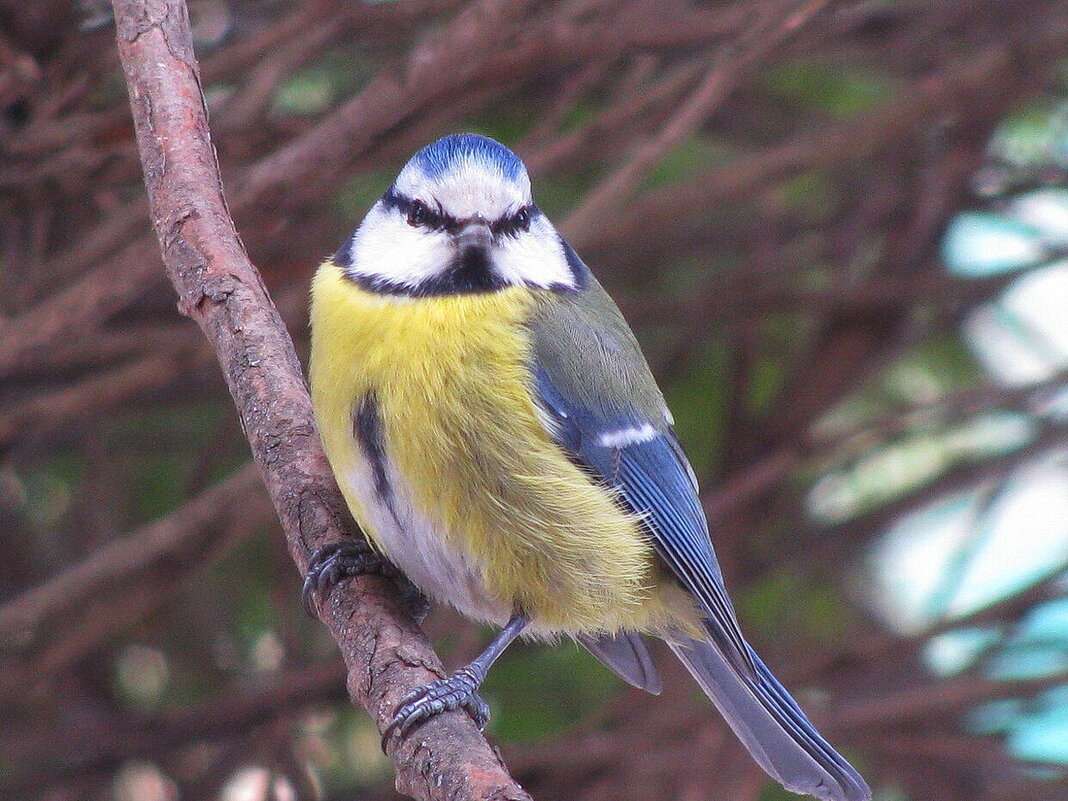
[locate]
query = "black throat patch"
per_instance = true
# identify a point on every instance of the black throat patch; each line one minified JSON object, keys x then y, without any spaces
{"x":469,"y":272}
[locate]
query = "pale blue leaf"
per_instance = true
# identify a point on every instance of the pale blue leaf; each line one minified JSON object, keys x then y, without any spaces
{"x":1046,"y":211}
{"x":978,"y":244}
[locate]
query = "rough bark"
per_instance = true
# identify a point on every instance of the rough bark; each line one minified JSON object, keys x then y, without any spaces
{"x":385,"y":653}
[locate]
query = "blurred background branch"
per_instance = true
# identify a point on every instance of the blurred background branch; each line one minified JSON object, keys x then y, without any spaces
{"x":839,"y":229}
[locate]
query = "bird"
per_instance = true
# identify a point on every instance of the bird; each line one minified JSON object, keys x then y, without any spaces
{"x":500,"y":439}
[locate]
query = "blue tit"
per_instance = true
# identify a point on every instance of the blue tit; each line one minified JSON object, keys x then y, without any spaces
{"x":498,"y":435}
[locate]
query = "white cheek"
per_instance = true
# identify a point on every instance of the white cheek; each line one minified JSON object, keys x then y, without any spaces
{"x":534,"y":257}
{"x":387,"y":247}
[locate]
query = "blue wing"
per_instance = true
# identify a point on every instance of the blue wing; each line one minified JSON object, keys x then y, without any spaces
{"x":603,"y":408}
{"x":654,"y":479}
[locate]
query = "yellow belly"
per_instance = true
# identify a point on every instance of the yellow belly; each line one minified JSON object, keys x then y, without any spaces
{"x":462,"y":433}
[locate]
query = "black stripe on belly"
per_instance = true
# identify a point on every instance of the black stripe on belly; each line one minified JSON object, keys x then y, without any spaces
{"x":368,"y":430}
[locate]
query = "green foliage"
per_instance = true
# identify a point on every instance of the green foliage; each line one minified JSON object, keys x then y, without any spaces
{"x":1034,"y":136}
{"x":250,"y":600}
{"x":580,"y":114}
{"x":160,"y":477}
{"x":694,"y":154}
{"x":837,"y":90}
{"x":346,"y":747}
{"x":538,"y":690}
{"x":787,"y":601}
{"x":49,"y":486}
{"x":360,"y":192}
{"x":556,"y":195}
{"x":697,"y":398}
{"x":778,"y":335}
{"x":510,"y":125}
{"x":314,"y":88}
{"x":935,"y":368}
{"x":938,"y":366}
{"x":306,"y":92}
{"x":159,"y":489}
{"x":811,"y":195}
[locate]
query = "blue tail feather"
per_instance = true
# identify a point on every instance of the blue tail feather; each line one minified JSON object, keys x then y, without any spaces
{"x":771,"y":725}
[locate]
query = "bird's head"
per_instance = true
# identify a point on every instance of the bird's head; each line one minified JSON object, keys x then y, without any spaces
{"x":458,"y":218}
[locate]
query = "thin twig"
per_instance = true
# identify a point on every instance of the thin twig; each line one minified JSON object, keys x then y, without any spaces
{"x":385,"y":654}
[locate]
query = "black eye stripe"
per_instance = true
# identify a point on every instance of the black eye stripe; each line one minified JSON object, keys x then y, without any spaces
{"x":419,"y":214}
{"x":519,"y":221}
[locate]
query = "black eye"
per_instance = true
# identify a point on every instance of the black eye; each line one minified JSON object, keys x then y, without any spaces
{"x":521,"y":219}
{"x":418,"y":213}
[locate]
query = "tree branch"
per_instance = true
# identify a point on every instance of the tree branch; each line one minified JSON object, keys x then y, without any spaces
{"x":769,"y":31}
{"x":385,"y":653}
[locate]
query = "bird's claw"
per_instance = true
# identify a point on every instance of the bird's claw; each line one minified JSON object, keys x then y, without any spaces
{"x":458,"y":690}
{"x":345,"y":559}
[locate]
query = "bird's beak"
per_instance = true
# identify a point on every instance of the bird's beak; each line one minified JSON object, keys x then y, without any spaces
{"x":476,"y":233}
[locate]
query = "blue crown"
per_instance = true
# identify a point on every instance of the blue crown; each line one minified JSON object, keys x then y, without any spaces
{"x":441,"y":156}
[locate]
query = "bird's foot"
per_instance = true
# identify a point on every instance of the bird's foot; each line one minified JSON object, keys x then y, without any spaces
{"x":458,"y":690}
{"x":349,"y":558}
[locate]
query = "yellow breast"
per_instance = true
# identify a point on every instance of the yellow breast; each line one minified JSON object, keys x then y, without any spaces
{"x":462,"y":431}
